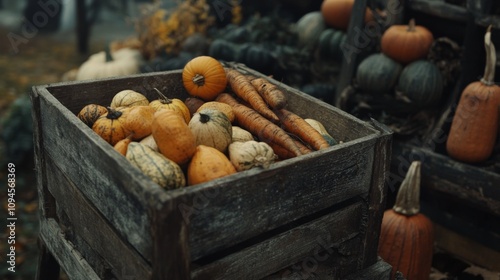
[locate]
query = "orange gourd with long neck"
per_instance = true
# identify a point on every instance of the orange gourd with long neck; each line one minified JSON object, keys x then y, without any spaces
{"x":474,"y":127}
{"x":407,"y":236}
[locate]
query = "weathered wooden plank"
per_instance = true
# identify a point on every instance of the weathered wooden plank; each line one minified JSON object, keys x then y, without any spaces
{"x":88,"y":223}
{"x":232,"y":209}
{"x":377,"y":197}
{"x":46,"y":204}
{"x":440,"y":9}
{"x":378,"y":271}
{"x":47,"y":268}
{"x":114,"y":187}
{"x":68,"y":258}
{"x":318,"y":238}
{"x":474,"y":186}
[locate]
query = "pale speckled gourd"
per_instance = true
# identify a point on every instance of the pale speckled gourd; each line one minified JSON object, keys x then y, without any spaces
{"x":160,"y":169}
{"x":150,"y":142}
{"x":128,"y":98}
{"x":211,"y":128}
{"x":250,"y":154}
{"x":241,"y":135}
{"x":107,"y":64}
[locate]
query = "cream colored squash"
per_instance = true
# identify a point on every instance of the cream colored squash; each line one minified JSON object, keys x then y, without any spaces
{"x":250,"y":154}
{"x":128,"y":98}
{"x":103,"y":64}
{"x":241,"y":135}
{"x":211,"y":128}
{"x":160,"y":169}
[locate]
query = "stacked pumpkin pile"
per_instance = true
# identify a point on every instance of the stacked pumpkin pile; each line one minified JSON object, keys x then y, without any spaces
{"x":402,"y":67}
{"x":211,"y":134}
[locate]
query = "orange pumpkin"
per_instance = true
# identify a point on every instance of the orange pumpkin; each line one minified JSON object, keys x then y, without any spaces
{"x":110,"y":126}
{"x":90,"y":113}
{"x":138,"y":120}
{"x":337,"y":13}
{"x":173,"y":136}
{"x":474,"y":128}
{"x":406,"y":43}
{"x":407,"y":236}
{"x":204,"y":77}
{"x":174,"y":104}
{"x":122,"y":145}
{"x":207,"y":164}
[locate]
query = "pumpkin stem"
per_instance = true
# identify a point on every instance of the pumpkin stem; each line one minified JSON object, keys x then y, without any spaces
{"x":491,"y":58}
{"x":408,"y":198}
{"x":163,"y":98}
{"x":411,"y":25}
{"x":199,"y":80}
{"x":204,"y":118}
{"x":113,"y":114}
{"x":107,"y":52}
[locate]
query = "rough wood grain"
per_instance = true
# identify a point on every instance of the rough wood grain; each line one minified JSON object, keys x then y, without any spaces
{"x":378,"y":271}
{"x":471,"y":184}
{"x":440,"y":9}
{"x":114,"y":187}
{"x":377,"y":197}
{"x":318,"y":238}
{"x":87,"y":222}
{"x":47,"y":268}
{"x":66,"y":255}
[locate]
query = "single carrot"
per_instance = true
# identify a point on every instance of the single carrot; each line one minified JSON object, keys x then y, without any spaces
{"x":259,"y":126}
{"x":281,"y":152}
{"x":303,"y":148}
{"x":242,"y":87}
{"x":273,"y":96}
{"x":296,"y":125}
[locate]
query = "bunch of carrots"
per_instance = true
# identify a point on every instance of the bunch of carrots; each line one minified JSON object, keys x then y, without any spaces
{"x":260,"y":107}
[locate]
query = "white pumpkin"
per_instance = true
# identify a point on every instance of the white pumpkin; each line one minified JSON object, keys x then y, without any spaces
{"x":250,"y":154}
{"x":122,"y":62}
{"x":241,"y":135}
{"x":212,"y":128}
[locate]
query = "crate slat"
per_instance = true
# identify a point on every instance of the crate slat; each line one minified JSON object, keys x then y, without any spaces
{"x":67,"y":257}
{"x":87,"y":223}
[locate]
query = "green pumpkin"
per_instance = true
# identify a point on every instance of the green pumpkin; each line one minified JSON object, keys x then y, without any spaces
{"x":329,"y":44}
{"x":309,"y":28}
{"x":223,"y":50}
{"x":256,"y":56}
{"x":422,"y":82}
{"x":378,"y":74}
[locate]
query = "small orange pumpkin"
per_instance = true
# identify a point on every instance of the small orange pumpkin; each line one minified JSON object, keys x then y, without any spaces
{"x":337,"y":13}
{"x":204,"y":77}
{"x":407,"y":236}
{"x":90,"y":113}
{"x":110,"y":126}
{"x":207,"y":164}
{"x":406,"y":43}
{"x":174,"y":104}
{"x":173,"y":136}
{"x":122,"y":145}
{"x":474,"y":128}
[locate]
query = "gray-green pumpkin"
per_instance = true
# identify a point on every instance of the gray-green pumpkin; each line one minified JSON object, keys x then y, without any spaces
{"x":223,"y":50}
{"x":422,"y":82}
{"x":329,"y":43}
{"x":378,"y":74}
{"x":309,"y":28}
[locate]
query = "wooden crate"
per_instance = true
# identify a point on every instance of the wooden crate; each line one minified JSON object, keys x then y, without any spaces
{"x":101,"y":218}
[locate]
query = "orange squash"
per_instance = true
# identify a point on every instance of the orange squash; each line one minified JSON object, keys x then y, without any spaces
{"x":138,"y":120}
{"x":173,"y":136}
{"x":207,"y":164}
{"x":204,"y":77}
{"x":406,"y":43}
{"x":122,"y":145}
{"x":474,"y":128}
{"x":174,"y":104}
{"x":337,"y":13}
{"x":407,"y":236}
